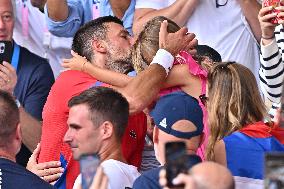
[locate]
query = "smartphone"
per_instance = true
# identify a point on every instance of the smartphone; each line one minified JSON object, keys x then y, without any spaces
{"x":88,"y":168}
{"x":6,"y":51}
{"x":176,"y":161}
{"x":274,"y":170}
{"x":273,"y":3}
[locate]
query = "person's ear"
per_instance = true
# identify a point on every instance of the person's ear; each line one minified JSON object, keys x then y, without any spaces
{"x":19,"y":133}
{"x":155,"y":135}
{"x":99,"y":46}
{"x":107,"y":130}
{"x":202,"y":139}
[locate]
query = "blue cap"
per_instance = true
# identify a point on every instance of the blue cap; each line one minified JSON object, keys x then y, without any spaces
{"x":174,"y":107}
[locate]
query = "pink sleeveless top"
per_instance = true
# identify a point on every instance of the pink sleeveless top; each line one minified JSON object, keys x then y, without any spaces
{"x":195,"y":69}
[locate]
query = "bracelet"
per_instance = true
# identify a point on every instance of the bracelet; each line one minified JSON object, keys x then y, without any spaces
{"x":267,"y":37}
{"x":83,"y":66}
{"x":163,"y":58}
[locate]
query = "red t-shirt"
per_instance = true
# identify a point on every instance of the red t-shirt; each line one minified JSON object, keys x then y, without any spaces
{"x":54,"y":126}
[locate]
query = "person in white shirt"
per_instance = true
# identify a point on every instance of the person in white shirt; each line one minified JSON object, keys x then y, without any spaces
{"x":229,"y":26}
{"x":97,"y":121}
{"x":31,"y":32}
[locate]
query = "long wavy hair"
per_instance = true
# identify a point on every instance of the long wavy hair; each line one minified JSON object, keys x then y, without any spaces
{"x":233,"y":101}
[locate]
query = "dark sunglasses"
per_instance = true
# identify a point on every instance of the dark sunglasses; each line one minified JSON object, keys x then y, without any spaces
{"x":203,"y":99}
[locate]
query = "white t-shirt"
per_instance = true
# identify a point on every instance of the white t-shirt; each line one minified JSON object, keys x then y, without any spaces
{"x":120,"y":175}
{"x":54,"y":48}
{"x":225,"y":29}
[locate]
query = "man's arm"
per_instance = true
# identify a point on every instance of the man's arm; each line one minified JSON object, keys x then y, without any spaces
{"x":30,"y":127}
{"x":141,"y":90}
{"x":57,"y":9}
{"x":250,"y":9}
{"x":179,"y":11}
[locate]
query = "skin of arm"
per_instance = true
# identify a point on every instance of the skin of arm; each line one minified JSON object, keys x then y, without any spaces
{"x":30,"y":137}
{"x":220,"y":153}
{"x":250,"y":9}
{"x":80,"y":63}
{"x":179,"y":12}
{"x":57,"y":9}
{"x":178,"y":76}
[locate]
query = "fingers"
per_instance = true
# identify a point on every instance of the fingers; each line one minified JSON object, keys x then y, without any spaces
{"x":163,"y":33}
{"x":50,"y":171}
{"x":36,"y":152}
{"x":163,"y":180}
{"x":100,"y":180}
{"x":47,"y":165}
{"x":51,"y":178}
{"x":185,"y":179}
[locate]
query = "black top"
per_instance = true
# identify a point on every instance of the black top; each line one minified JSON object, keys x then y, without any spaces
{"x":14,"y":176}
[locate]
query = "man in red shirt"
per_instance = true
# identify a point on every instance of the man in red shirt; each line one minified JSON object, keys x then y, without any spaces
{"x":106,"y":44}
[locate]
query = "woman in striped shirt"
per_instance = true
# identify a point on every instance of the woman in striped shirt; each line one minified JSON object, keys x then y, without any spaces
{"x":271,"y":72}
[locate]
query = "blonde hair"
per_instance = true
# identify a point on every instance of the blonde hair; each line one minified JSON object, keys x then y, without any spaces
{"x":233,"y":101}
{"x":147,"y":43}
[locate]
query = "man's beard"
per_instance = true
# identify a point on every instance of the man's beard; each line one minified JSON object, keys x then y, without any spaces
{"x":119,"y":64}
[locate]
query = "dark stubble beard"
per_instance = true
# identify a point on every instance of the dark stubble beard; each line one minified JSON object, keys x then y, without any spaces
{"x":121,"y":64}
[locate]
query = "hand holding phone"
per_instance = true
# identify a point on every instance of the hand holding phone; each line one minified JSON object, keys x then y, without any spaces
{"x":6,"y":51}
{"x":176,"y":158}
{"x":274,"y":4}
{"x":88,"y":167}
{"x":274,"y":170}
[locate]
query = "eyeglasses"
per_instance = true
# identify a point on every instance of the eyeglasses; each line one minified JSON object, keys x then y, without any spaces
{"x":203,"y":99}
{"x":220,"y":5}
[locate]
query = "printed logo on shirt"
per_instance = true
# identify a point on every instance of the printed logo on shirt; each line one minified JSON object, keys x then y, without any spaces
{"x":163,"y":123}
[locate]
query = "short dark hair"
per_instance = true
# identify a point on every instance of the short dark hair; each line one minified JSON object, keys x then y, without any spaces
{"x":9,"y":117}
{"x":105,"y":104}
{"x":82,"y":41}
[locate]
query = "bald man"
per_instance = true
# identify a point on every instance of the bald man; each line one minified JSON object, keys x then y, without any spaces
{"x":206,"y":175}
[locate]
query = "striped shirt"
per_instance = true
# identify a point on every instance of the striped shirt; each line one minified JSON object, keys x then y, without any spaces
{"x":272,"y":68}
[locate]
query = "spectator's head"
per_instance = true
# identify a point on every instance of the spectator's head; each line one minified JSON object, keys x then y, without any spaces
{"x":210,"y":175}
{"x":233,"y":101}
{"x":147,"y":44}
{"x":177,"y":117}
{"x":10,"y":136}
{"x":106,"y":43}
{"x":97,"y":120}
{"x":7,"y":19}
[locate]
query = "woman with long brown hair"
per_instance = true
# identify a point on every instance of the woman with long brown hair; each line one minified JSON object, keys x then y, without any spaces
{"x":239,"y":135}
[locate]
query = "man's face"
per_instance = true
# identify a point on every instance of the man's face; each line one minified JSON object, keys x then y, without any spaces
{"x":118,"y":49}
{"x":82,"y":136}
{"x":6,"y":20}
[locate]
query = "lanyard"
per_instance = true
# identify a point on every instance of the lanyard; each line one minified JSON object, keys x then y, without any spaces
{"x":96,"y":11}
{"x":16,"y":56}
{"x":25,"y":19}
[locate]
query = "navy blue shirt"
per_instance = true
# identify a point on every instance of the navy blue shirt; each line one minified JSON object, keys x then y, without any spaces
{"x":14,"y":176}
{"x":35,"y":78}
{"x":150,"y":179}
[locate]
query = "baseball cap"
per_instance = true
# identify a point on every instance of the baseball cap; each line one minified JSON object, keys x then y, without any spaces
{"x":174,"y":107}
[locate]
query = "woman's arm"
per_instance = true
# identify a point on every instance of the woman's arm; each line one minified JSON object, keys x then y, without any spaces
{"x":80,"y":63}
{"x":220,"y":153}
{"x":181,"y":76}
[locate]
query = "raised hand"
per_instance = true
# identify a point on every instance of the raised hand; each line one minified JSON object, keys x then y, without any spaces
{"x":267,"y":28}
{"x":77,"y":62}
{"x":8,"y":77}
{"x":48,"y":171}
{"x":178,"y":41}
